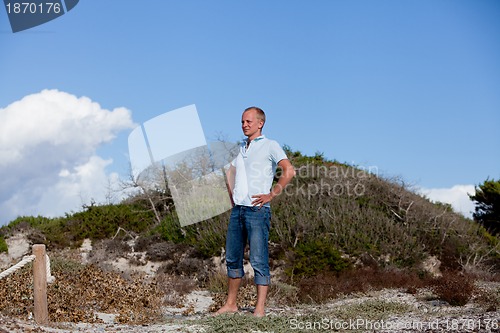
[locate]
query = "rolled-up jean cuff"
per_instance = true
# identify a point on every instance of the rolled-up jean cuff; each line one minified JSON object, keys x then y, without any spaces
{"x":262,"y":280}
{"x":235,"y":273}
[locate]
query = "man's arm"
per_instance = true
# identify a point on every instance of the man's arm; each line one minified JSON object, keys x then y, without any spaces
{"x":287,"y":175}
{"x":230,"y":176}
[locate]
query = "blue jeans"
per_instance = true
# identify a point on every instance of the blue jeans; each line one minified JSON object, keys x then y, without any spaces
{"x":252,"y":224}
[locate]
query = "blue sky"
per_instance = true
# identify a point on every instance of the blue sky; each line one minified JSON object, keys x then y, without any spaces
{"x":410,"y":87}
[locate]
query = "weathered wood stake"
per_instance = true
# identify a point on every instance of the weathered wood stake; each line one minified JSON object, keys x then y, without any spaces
{"x":40,"y":285}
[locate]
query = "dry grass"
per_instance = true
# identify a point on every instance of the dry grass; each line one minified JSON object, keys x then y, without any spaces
{"x":174,"y":287}
{"x":488,"y":298}
{"x":80,"y":291}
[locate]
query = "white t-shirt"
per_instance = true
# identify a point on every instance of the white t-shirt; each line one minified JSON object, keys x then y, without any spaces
{"x":255,"y":168}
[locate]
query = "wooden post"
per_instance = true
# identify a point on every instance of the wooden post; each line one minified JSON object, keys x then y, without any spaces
{"x":40,"y":285}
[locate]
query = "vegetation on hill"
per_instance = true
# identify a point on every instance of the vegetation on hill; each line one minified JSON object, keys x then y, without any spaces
{"x":331,"y":214}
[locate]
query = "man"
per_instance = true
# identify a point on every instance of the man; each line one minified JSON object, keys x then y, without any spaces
{"x":250,"y":179}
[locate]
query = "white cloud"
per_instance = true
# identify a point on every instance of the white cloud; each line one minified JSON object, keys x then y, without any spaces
{"x":457,"y":196}
{"x":48,"y":160}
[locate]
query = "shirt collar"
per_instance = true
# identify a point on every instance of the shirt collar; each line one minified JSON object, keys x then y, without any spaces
{"x":244,"y":142}
{"x":259,"y":138}
{"x":256,"y":139}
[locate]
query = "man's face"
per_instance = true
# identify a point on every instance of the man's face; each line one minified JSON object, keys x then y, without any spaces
{"x":250,"y":124}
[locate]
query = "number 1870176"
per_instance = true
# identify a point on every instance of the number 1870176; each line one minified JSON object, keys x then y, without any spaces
{"x":33,"y":7}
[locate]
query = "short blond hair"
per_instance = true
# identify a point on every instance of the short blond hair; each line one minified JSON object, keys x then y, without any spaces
{"x":260,"y":113}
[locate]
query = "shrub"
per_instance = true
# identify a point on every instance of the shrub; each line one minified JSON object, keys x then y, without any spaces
{"x":208,"y":237}
{"x":283,"y":294}
{"x":49,"y":231}
{"x":99,"y":222}
{"x":316,"y":256}
{"x":236,"y":324}
{"x":95,"y":222}
{"x":454,"y":288}
{"x":325,"y":286}
{"x":116,"y":247}
{"x":170,"y":230}
{"x":373,"y":309}
{"x":217,"y":282}
{"x":68,"y":266}
{"x":175,"y":287}
{"x":489,"y":300}
{"x":318,"y":289}
{"x":3,"y":246}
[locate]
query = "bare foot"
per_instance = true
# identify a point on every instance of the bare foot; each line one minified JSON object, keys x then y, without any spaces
{"x":227,"y":309}
{"x":259,"y":313}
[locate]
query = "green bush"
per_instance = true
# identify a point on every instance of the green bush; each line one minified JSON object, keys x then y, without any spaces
{"x":313,"y":257}
{"x":170,"y":230}
{"x":99,"y":222}
{"x":207,"y":237}
{"x":51,"y":229}
{"x":95,"y":222}
{"x":3,"y":246}
{"x":33,"y":221}
{"x":210,"y":235}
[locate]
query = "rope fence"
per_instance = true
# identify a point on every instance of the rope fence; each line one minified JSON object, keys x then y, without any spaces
{"x":41,"y":276}
{"x":24,"y":262}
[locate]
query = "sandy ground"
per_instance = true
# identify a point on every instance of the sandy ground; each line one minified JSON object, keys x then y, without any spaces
{"x":20,"y":326}
{"x":426,"y":317}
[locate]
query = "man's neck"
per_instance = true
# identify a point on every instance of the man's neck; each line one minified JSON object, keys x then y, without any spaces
{"x":251,"y":138}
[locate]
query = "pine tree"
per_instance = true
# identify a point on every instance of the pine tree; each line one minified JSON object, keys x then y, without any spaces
{"x":487,"y":211}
